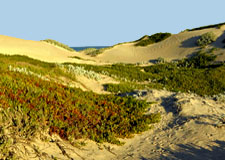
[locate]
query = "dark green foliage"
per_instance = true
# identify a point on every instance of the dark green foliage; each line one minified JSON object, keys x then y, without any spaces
{"x":155,"y":38}
{"x":59,"y":44}
{"x":209,"y":26}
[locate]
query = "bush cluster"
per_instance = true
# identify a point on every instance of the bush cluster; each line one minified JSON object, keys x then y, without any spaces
{"x":155,"y":38}
{"x":59,"y":44}
{"x":206,"y":39}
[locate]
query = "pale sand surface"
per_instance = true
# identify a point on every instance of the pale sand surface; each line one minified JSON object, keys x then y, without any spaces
{"x":177,"y":46}
{"x":38,"y":50}
{"x":192,"y":127}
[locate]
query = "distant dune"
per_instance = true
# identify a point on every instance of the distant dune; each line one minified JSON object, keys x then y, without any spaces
{"x":36,"y":49}
{"x":177,"y":46}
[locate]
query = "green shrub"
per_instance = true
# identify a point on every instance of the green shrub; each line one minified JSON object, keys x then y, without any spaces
{"x":206,"y":39}
{"x":59,"y":44}
{"x":155,"y":38}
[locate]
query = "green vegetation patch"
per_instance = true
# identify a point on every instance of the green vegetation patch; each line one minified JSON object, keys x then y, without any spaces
{"x":197,"y":74}
{"x":70,"y":112}
{"x":59,"y":44}
{"x":155,"y":38}
{"x":203,"y":80}
{"x":206,"y":39}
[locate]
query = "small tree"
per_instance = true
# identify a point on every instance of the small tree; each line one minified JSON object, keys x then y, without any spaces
{"x":206,"y":39}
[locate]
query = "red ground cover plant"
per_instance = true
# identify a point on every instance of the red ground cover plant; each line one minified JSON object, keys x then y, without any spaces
{"x":71,"y":112}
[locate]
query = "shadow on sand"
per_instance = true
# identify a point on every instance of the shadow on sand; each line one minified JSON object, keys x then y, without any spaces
{"x":189,"y":43}
{"x":219,"y":41}
{"x":193,"y":152}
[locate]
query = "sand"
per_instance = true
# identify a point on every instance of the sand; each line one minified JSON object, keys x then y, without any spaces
{"x":177,"y":46}
{"x":38,"y":50}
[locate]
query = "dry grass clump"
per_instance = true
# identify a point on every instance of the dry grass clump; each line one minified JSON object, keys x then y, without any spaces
{"x":59,"y":44}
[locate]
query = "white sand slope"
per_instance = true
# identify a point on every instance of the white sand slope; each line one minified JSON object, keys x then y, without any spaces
{"x":37,"y":50}
{"x":177,"y":46}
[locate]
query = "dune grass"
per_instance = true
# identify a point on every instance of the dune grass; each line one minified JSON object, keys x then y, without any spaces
{"x":94,"y":52}
{"x":59,"y":44}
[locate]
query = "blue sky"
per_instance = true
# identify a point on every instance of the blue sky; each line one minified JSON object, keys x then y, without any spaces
{"x":104,"y":22}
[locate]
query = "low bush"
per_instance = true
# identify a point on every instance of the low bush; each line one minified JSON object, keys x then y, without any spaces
{"x":200,"y":60}
{"x":206,"y":39}
{"x":59,"y":44}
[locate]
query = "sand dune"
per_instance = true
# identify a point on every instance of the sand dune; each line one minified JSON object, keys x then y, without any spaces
{"x":177,"y":46}
{"x":37,"y":50}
